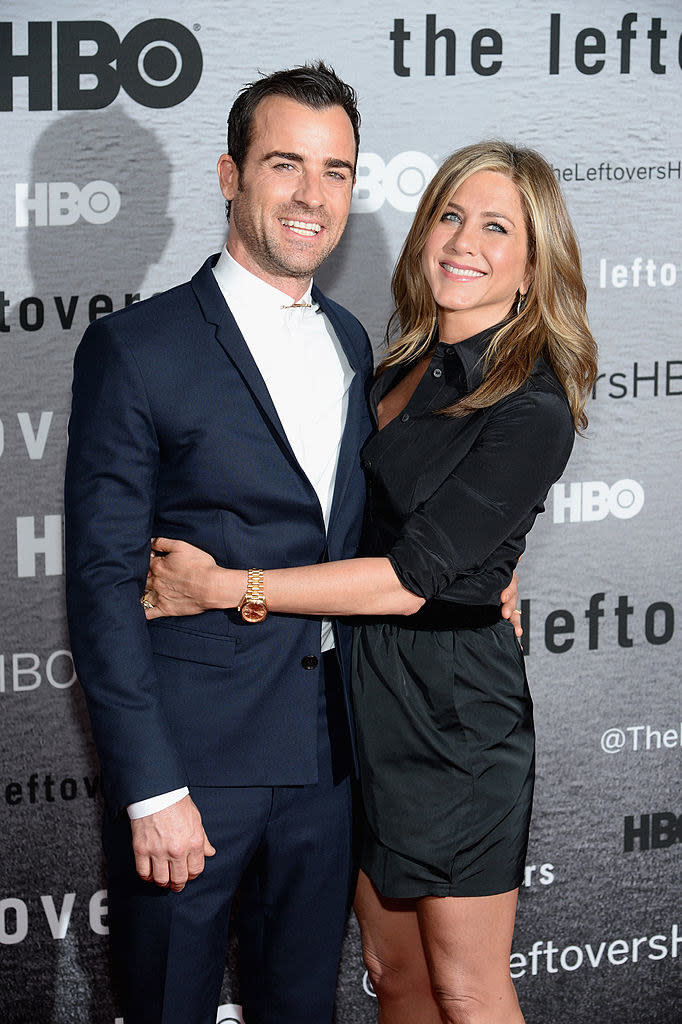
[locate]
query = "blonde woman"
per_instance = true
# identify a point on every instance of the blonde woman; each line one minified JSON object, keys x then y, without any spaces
{"x":476,"y":406}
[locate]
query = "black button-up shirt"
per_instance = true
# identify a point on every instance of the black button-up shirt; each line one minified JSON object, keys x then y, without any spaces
{"x":451,"y":499}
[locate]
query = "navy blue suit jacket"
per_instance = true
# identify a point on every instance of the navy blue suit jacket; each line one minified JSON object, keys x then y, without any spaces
{"x":173,"y":433}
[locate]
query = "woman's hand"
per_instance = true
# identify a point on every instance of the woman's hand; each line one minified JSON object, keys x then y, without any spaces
{"x":509,"y":599}
{"x":182,"y":580}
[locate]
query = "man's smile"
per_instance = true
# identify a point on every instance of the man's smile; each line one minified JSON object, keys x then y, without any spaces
{"x":308,"y":229}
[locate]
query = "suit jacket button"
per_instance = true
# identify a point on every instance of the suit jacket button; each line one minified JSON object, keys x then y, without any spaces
{"x":309,"y":662}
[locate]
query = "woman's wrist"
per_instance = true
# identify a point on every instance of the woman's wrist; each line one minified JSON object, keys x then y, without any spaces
{"x":239,"y":581}
{"x":225,"y":587}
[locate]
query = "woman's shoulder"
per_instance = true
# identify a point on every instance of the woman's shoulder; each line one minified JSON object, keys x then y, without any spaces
{"x":543,"y":384}
{"x":540,"y":400}
{"x":543,"y":378}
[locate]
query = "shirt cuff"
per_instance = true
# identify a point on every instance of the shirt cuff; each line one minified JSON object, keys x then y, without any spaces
{"x":141,"y":808}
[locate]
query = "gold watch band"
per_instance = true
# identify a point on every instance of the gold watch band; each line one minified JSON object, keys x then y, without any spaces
{"x":253,"y":607}
{"x":254,"y":585}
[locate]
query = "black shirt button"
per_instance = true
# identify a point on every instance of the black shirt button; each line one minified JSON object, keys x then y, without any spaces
{"x":405,"y":417}
{"x":309,"y":662}
{"x":438,"y":372}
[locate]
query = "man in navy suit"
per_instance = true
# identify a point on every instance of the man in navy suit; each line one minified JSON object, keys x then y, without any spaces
{"x":228,"y":412}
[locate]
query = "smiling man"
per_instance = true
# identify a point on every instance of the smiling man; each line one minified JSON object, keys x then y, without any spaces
{"x":229,"y":412}
{"x":289,"y":194}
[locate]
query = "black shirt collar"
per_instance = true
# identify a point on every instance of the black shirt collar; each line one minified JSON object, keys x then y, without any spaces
{"x":462,"y":363}
{"x":471,"y":353}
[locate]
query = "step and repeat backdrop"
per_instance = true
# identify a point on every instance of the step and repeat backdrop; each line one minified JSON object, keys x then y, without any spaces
{"x":112,"y":117}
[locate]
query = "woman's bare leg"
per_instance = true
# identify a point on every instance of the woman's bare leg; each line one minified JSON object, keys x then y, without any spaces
{"x":467,"y":942}
{"x":394,"y":956}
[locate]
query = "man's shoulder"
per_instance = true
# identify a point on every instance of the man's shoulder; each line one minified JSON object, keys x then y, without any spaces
{"x":161,"y":311}
{"x":156,"y":311}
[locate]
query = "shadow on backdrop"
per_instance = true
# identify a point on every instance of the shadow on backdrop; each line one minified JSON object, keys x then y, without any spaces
{"x":358,"y":274}
{"x":56,"y":857}
{"x":115,"y":255}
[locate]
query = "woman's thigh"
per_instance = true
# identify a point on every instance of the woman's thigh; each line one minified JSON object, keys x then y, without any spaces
{"x":467,"y":943}
{"x":390,"y":928}
{"x":391,"y":943}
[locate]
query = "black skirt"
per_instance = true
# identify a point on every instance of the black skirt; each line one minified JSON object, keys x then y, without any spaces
{"x":446,"y":743}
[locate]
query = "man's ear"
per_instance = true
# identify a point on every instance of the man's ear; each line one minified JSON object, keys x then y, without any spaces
{"x":228,"y":175}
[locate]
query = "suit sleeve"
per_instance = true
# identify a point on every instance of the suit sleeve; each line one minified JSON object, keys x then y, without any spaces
{"x":454,"y":543}
{"x":111,"y":474}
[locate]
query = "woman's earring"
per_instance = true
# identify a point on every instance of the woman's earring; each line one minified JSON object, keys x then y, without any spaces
{"x":521,"y":302}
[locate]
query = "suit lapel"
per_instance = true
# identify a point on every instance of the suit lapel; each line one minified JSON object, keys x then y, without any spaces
{"x":353,"y":432}
{"x":231,"y":339}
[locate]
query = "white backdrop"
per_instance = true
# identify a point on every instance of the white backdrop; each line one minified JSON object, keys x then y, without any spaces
{"x":112,"y":119}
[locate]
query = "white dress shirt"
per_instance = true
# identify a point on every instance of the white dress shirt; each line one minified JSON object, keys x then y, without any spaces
{"x":308,"y":376}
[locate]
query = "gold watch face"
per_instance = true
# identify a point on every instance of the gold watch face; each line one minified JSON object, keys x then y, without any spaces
{"x":253,"y":611}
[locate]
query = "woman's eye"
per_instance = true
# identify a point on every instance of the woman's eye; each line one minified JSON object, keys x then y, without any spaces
{"x":494,"y":226}
{"x":451,"y":216}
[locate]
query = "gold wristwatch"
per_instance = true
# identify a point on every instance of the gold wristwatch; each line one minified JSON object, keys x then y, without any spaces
{"x":252,"y":606}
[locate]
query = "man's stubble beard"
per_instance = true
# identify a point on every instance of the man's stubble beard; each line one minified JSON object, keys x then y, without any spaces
{"x":272,"y":258}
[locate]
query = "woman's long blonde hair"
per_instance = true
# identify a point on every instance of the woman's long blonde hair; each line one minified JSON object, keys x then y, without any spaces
{"x":552,"y":321}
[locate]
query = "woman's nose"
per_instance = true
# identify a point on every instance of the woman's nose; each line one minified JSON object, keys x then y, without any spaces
{"x":463,"y":239}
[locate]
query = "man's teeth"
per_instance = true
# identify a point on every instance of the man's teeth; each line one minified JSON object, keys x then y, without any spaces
{"x":461,"y":272}
{"x":302,"y":227}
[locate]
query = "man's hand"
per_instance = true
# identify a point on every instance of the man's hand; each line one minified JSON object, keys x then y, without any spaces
{"x":510,"y":604}
{"x":170,"y":845}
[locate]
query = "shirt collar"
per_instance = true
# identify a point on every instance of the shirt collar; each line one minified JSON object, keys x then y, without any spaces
{"x":240,"y":286}
{"x":471,"y":352}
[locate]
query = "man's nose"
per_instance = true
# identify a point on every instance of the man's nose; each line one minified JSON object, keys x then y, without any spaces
{"x":309,"y":191}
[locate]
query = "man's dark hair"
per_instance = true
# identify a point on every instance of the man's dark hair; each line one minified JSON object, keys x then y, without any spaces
{"x":314,"y":85}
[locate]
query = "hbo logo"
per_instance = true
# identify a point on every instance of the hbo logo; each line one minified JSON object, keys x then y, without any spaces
{"x":587,"y":502}
{"x":158,"y":64}
{"x":62,"y":202}
{"x":401,"y":181}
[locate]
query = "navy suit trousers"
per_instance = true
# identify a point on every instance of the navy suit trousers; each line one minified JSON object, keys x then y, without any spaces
{"x":287,"y":849}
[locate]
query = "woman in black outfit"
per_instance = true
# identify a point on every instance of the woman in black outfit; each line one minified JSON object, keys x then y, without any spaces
{"x":476,"y":404}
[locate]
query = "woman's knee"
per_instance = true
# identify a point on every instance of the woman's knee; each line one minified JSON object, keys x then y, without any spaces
{"x":465,"y":1002}
{"x":459,"y":1007}
{"x":395,"y":978}
{"x":386,"y":978}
